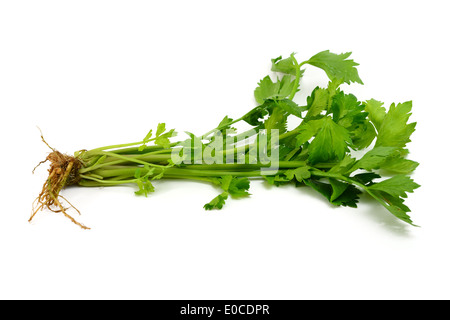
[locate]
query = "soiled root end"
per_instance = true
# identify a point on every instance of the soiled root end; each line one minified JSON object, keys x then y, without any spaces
{"x":63,"y":172}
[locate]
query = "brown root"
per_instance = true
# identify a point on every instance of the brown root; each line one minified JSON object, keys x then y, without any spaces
{"x":63,"y":172}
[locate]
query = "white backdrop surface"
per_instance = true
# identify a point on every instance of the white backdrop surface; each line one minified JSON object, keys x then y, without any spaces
{"x":93,"y":73}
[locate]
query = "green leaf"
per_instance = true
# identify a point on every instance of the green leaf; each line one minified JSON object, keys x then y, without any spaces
{"x":349,"y":113}
{"x":238,"y":187}
{"x":324,"y":189}
{"x":390,"y":159}
{"x":366,"y":178}
{"x":330,"y":143}
{"x":336,"y":66}
{"x":225,"y":182}
{"x":254,"y":116}
{"x":300,"y":174}
{"x":397,"y":207}
{"x":317,"y":102}
{"x":148,"y":136}
{"x":225,"y":125}
{"x":394,"y":205}
{"x":397,"y":186}
{"x":286,"y":86}
{"x":347,"y":197}
{"x":160,"y":129}
{"x":286,"y":66}
{"x":338,"y":188}
{"x":137,"y":173}
{"x":347,"y":110}
{"x":345,"y":166}
{"x":277,"y":180}
{"x":399,"y":165}
{"x":395,"y":130}
{"x":217,"y":203}
{"x":333,"y":87}
{"x":362,"y":134}
{"x":162,"y":139}
{"x":291,"y":107}
{"x":234,"y":186}
{"x":225,"y":122}
{"x":377,"y":113}
{"x":308,"y":130}
{"x":267,"y":89}
{"x":163,"y":142}
{"x":277,"y":120}
{"x":390,"y":192}
{"x":375,"y":158}
{"x":145,"y":187}
{"x":142,"y":147}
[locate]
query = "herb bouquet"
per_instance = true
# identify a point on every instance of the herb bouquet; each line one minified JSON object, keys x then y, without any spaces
{"x":318,"y":153}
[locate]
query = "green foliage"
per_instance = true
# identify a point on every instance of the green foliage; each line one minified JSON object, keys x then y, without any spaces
{"x":162,"y":137}
{"x":143,"y":182}
{"x":232,"y":186}
{"x":338,"y":193}
{"x":318,"y":153}
{"x":300,"y":174}
{"x":394,"y":129}
{"x":277,"y":120}
{"x":287,"y":66}
{"x":267,"y":89}
{"x":317,"y":102}
{"x":375,"y":158}
{"x":254,"y":117}
{"x":396,"y":186}
{"x":392,"y":193}
{"x":336,"y":66}
{"x":330,"y":142}
{"x":218,"y":202}
{"x":376,"y":112}
{"x":290,"y":107}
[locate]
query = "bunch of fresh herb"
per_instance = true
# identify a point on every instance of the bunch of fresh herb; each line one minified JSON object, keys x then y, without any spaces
{"x":318,"y":153}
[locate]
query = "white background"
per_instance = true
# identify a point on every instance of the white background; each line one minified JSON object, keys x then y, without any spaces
{"x":93,"y":73}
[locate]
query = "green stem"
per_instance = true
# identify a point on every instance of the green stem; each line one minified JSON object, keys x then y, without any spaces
{"x":87,"y":182}
{"x":290,"y":133}
{"x":108,"y":182}
{"x":108,"y":170}
{"x":125,"y":159}
{"x":237,"y":166}
{"x":118,"y":146}
{"x":297,"y":77}
{"x":204,"y":136}
{"x":147,"y":149}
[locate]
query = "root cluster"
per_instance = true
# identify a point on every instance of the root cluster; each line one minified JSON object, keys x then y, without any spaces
{"x":63,"y":172}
